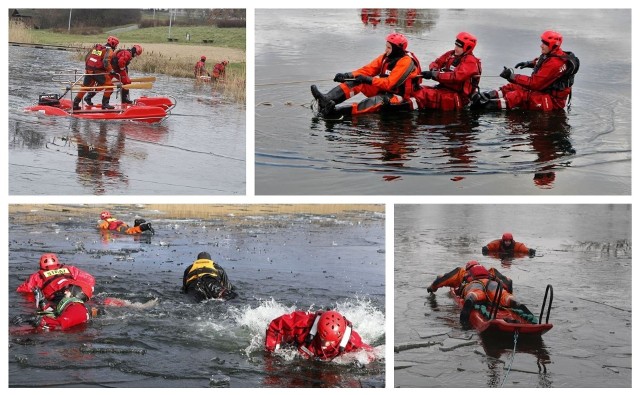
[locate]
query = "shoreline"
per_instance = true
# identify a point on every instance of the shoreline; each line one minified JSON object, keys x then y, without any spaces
{"x":176,"y":211}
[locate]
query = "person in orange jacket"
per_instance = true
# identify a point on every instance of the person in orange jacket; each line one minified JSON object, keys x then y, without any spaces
{"x":108,"y":222}
{"x":388,"y":81}
{"x":475,"y":284}
{"x":322,"y":335}
{"x":97,"y":70}
{"x":458,"y":74}
{"x":549,"y":86}
{"x":507,"y":246}
{"x":60,"y":292}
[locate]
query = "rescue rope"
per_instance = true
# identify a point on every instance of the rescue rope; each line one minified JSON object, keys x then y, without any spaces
{"x":291,"y":82}
{"x":513,"y":355}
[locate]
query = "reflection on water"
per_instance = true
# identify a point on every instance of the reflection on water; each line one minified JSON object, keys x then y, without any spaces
{"x":401,"y":19}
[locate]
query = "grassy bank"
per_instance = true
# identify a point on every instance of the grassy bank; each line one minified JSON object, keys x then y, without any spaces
{"x":47,"y":212}
{"x":176,"y":59}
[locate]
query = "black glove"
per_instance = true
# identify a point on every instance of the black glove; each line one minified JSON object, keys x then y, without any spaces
{"x":364,"y":79}
{"x":526,"y":64}
{"x":26,"y":319}
{"x":431,"y":290}
{"x":430,"y":74}
{"x":147,"y":226}
{"x":532,"y":252}
{"x":341,"y":77}
{"x":485,"y":250}
{"x":507,"y":74}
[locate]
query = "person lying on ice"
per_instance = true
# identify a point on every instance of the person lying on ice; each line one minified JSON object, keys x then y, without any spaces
{"x":477,"y":285}
{"x":389,"y":80}
{"x":107,"y":222}
{"x":322,"y":335}
{"x":506,"y":246}
{"x":205,"y":279}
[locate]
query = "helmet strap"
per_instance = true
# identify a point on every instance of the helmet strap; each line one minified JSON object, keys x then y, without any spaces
{"x":345,"y":338}
{"x":314,"y":329}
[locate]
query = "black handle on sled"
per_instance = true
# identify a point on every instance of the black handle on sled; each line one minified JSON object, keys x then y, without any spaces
{"x":495,"y":306}
{"x":548,"y":291}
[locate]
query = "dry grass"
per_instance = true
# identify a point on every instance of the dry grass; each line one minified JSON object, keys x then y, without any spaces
{"x":177,"y":211}
{"x":19,"y":33}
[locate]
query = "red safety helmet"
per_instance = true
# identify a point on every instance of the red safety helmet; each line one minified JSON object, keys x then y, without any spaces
{"x":398,"y":39}
{"x":551,"y":39}
{"x":471,"y":264}
{"x":105,"y":214}
{"x":203,"y":58}
{"x":137,"y":49}
{"x":507,"y":236}
{"x":466,"y":41}
{"x":49,"y":261}
{"x":113,"y":41}
{"x":331,"y":326}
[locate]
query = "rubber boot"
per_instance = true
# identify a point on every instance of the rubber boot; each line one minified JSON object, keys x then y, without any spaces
{"x":76,"y":103}
{"x":481,"y":99}
{"x":327,"y":103}
{"x":88,"y":97}
{"x":106,"y":105}
{"x":147,"y":226}
{"x":466,"y":313}
{"x":125,"y":97}
{"x":338,"y":112}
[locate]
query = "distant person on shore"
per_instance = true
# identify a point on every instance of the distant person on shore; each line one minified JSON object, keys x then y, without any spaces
{"x":219,"y":70}
{"x":60,"y":292}
{"x":200,"y":68}
{"x":205,"y":279}
{"x":507,"y":246}
{"x":108,"y":222}
{"x":322,"y":335}
{"x":98,"y":68}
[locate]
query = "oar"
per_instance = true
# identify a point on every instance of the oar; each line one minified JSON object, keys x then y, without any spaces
{"x":140,"y":85}
{"x":144,"y":79}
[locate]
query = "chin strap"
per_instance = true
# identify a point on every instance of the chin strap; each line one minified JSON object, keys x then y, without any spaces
{"x":314,"y":330}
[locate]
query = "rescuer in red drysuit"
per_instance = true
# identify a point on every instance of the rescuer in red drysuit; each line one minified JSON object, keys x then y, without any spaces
{"x":549,"y":86}
{"x":323,"y":335}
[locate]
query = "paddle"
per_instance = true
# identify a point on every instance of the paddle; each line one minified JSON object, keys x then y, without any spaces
{"x":140,"y":85}
{"x":144,"y":79}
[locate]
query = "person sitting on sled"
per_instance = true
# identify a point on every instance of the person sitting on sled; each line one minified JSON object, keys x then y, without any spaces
{"x":323,"y":335}
{"x":477,"y":285}
{"x":388,"y":81}
{"x":507,"y":246}
{"x":107,"y":222}
{"x":205,"y":279}
{"x":458,"y":74}
{"x":549,"y":86}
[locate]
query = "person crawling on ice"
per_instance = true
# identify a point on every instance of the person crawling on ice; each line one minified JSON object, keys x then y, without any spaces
{"x":205,"y":279}
{"x":323,"y":335}
{"x":108,"y":222}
